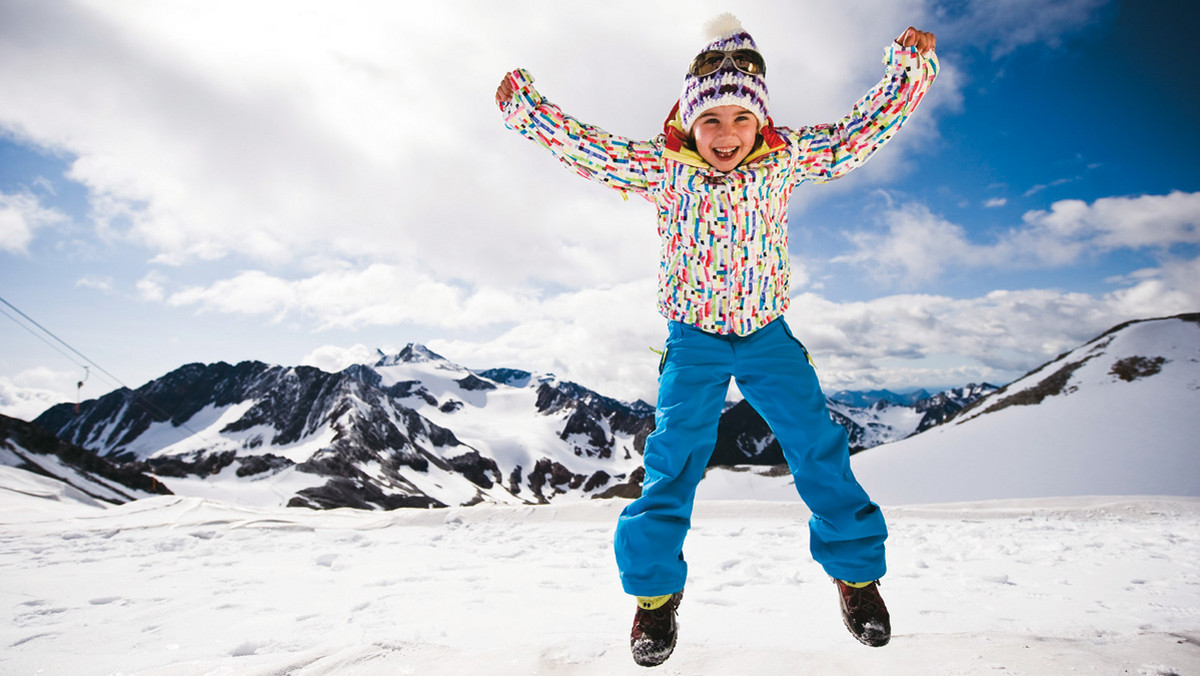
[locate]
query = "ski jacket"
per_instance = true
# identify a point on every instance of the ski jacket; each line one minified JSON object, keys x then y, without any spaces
{"x":723,"y":264}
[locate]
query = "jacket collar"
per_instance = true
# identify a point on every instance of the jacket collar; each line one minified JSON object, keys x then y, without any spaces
{"x":678,"y":148}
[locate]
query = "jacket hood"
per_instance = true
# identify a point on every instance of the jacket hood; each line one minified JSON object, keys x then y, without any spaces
{"x":678,"y":148}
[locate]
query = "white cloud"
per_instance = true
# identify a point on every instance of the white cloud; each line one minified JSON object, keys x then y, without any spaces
{"x":99,"y":282}
{"x":916,"y":246}
{"x":350,"y":161}
{"x":348,"y":297}
{"x":333,"y":359}
{"x":1046,"y":186}
{"x":601,"y":338}
{"x":150,"y":287}
{"x":28,"y":394}
{"x":21,"y":215}
{"x":906,"y":340}
{"x":1170,"y":289}
{"x":249,"y":293}
{"x":1147,"y":221}
{"x":277,"y":131}
{"x":995,"y":202}
{"x":893,"y":341}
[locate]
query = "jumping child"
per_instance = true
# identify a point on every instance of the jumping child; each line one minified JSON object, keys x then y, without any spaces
{"x":721,"y":175}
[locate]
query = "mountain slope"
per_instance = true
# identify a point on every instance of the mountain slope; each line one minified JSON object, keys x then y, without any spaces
{"x":84,"y":476}
{"x":377,"y":436}
{"x":415,"y":430}
{"x":1118,"y":415}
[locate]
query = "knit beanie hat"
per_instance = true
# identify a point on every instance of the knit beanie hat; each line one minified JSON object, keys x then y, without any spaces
{"x":727,"y":85}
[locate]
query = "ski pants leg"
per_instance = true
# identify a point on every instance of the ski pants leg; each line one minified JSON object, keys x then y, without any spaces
{"x":846,"y":531}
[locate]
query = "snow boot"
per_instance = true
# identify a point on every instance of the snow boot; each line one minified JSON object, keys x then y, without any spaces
{"x":864,"y":613}
{"x":652,"y":638}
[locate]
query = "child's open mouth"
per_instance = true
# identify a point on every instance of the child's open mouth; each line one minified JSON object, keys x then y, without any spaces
{"x":725,"y":154}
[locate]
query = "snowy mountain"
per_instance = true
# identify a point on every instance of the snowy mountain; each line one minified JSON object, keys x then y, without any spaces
{"x":415,"y":430}
{"x":868,"y":398}
{"x":74,"y":472}
{"x":411,"y":430}
{"x":1118,"y":415}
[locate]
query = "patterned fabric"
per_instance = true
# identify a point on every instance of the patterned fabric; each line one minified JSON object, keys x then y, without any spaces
{"x":728,"y":86}
{"x":724,"y":256}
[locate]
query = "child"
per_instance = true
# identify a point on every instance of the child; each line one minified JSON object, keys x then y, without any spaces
{"x":721,"y":174}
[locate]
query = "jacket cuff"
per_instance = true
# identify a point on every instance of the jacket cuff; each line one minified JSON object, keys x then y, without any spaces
{"x":518,"y":110}
{"x":906,"y":57}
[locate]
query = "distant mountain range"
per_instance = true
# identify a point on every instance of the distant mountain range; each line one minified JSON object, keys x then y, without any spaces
{"x":413,"y":429}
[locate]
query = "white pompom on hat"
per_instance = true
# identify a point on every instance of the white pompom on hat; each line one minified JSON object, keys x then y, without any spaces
{"x":728,"y":85}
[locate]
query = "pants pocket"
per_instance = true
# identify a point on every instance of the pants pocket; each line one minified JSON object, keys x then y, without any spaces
{"x":788,"y":330}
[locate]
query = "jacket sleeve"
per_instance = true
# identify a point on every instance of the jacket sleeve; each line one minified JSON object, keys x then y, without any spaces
{"x":830,"y":151}
{"x":619,"y":163}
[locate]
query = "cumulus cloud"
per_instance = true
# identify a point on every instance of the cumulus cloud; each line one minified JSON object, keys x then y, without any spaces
{"x":276,"y":131}
{"x":351,"y":298}
{"x":334,"y":358}
{"x":902,"y":340}
{"x":29,"y":393}
{"x":1147,"y":221}
{"x":21,"y":215}
{"x":603,"y":338}
{"x":893,"y":341}
{"x":350,"y":162}
{"x":915,"y":246}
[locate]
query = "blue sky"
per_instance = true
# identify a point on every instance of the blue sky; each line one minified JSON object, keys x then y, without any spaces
{"x":295,"y":182}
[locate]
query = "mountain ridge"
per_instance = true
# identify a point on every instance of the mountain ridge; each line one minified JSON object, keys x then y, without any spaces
{"x":413,"y":429}
{"x":1116,"y":415}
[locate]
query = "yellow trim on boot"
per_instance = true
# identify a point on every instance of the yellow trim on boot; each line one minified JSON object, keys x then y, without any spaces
{"x":653,"y":602}
{"x":857,"y":585}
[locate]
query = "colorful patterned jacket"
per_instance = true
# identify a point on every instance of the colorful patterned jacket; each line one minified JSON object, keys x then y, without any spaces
{"x":724,"y":256}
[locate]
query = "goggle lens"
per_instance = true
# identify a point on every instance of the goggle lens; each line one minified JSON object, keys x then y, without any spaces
{"x":746,"y":61}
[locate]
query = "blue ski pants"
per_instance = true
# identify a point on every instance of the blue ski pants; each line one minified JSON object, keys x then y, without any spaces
{"x":772,"y":370}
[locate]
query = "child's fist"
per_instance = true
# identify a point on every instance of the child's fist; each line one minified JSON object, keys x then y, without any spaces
{"x":924,"y":42}
{"x":505,"y":91}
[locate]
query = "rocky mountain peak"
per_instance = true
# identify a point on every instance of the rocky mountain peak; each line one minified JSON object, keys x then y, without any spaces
{"x":413,"y":353}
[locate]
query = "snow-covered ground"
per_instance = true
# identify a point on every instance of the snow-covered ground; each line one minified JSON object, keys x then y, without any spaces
{"x":183,"y":586}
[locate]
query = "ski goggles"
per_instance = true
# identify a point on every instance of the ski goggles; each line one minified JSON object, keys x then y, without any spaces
{"x":745,"y":61}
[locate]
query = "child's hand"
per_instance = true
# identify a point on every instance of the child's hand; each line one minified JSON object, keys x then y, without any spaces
{"x":504,"y":92}
{"x":924,"y":42}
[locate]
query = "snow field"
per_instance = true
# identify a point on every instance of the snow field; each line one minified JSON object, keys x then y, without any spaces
{"x":181,"y":586}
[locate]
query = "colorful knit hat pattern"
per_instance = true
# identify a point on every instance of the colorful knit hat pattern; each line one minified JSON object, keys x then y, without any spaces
{"x":728,"y":86}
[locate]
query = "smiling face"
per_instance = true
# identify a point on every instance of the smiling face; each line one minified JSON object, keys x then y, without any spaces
{"x":725,"y":135}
